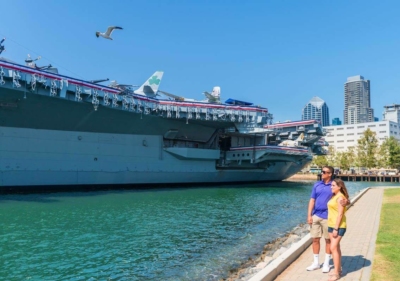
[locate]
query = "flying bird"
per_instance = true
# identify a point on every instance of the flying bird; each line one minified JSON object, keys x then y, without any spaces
{"x":107,"y":34}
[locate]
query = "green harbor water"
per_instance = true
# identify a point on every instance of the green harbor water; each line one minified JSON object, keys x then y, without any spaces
{"x":158,"y":234}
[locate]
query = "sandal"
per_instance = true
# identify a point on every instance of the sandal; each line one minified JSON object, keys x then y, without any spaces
{"x":334,"y":277}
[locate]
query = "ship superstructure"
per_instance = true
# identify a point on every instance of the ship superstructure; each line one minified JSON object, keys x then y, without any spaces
{"x":57,"y":130}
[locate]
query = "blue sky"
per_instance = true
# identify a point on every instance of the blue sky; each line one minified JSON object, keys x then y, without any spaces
{"x":277,"y":54}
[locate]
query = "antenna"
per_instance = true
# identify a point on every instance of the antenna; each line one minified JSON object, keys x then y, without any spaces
{"x":2,"y":48}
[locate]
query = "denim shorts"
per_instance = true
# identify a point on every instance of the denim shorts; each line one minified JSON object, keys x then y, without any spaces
{"x":341,"y":231}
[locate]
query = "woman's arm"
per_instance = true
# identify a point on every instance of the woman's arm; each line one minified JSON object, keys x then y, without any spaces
{"x":339,"y":217}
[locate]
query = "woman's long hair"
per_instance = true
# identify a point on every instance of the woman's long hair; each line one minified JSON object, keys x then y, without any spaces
{"x":343,"y":188}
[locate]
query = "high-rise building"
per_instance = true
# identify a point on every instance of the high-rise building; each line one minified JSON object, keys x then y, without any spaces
{"x":392,"y":113}
{"x":336,"y":121}
{"x":316,"y":109}
{"x":357,"y":101}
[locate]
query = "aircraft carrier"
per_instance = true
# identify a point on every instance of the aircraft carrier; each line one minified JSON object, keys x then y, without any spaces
{"x":58,"y":131}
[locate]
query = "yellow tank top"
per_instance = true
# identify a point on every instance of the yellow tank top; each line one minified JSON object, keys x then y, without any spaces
{"x":333,"y":212}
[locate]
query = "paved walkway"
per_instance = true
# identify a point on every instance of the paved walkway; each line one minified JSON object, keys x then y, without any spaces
{"x":358,"y":244}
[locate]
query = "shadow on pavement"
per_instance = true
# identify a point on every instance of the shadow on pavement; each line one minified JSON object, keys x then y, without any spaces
{"x":354,"y":263}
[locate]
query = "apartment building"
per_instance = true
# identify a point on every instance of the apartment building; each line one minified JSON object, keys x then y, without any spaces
{"x":357,"y":101}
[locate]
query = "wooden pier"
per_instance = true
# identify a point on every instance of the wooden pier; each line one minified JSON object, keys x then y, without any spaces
{"x":374,"y":178}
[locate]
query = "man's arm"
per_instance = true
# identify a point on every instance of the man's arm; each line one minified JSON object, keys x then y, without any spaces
{"x":344,"y":202}
{"x":311,"y":205}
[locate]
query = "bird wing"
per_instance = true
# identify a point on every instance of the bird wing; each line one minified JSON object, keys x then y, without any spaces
{"x":110,"y":29}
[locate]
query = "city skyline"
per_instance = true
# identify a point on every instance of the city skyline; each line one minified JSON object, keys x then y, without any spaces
{"x":391,"y":110}
{"x":273,"y":54}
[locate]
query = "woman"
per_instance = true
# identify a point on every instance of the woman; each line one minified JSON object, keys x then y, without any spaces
{"x":337,"y":225}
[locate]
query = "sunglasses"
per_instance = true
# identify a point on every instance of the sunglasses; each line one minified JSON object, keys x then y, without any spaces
{"x":325,"y":172}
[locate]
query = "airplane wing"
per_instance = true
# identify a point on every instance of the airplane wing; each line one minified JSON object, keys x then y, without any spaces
{"x":208,"y":95}
{"x":211,"y":98}
{"x":175,"y":97}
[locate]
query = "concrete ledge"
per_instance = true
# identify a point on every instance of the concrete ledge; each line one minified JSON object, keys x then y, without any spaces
{"x":278,"y":265}
{"x":355,"y":199}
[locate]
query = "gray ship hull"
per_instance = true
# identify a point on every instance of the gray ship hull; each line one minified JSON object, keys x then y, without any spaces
{"x":32,"y":157}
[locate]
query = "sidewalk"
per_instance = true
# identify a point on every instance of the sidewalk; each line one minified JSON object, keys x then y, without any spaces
{"x":358,"y":244}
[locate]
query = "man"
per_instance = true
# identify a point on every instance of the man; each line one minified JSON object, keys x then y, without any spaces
{"x":318,"y":216}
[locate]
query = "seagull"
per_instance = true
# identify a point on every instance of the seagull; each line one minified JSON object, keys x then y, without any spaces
{"x":107,"y":34}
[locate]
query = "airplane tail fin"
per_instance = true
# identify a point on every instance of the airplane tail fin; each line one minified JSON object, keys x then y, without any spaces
{"x":301,"y":137}
{"x":150,"y":87}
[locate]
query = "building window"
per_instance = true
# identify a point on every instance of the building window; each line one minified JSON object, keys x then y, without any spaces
{"x":383,"y":132}
{"x":340,"y":128}
{"x":350,"y":128}
{"x":340,"y":141}
{"x":340,"y":135}
{"x":382,"y":124}
{"x":350,"y":134}
{"x":360,"y":127}
{"x":360,"y":133}
{"x":350,"y":140}
{"x":369,"y":126}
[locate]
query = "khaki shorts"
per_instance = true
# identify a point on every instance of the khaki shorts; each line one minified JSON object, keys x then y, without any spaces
{"x":319,"y":228}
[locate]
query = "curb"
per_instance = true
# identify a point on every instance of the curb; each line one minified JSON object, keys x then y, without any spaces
{"x":278,"y":265}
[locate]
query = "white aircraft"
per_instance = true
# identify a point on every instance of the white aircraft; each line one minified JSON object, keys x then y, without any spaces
{"x":107,"y":34}
{"x":293,"y":143}
{"x":150,"y":87}
{"x":215,"y":96}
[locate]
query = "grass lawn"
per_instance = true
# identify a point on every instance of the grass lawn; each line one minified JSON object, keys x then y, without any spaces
{"x":386,"y":265}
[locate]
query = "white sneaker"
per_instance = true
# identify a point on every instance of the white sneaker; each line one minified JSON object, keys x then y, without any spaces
{"x":326,"y":268}
{"x":313,"y":267}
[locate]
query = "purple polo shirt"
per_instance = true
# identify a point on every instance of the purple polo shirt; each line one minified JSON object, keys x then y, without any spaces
{"x":322,"y":193}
